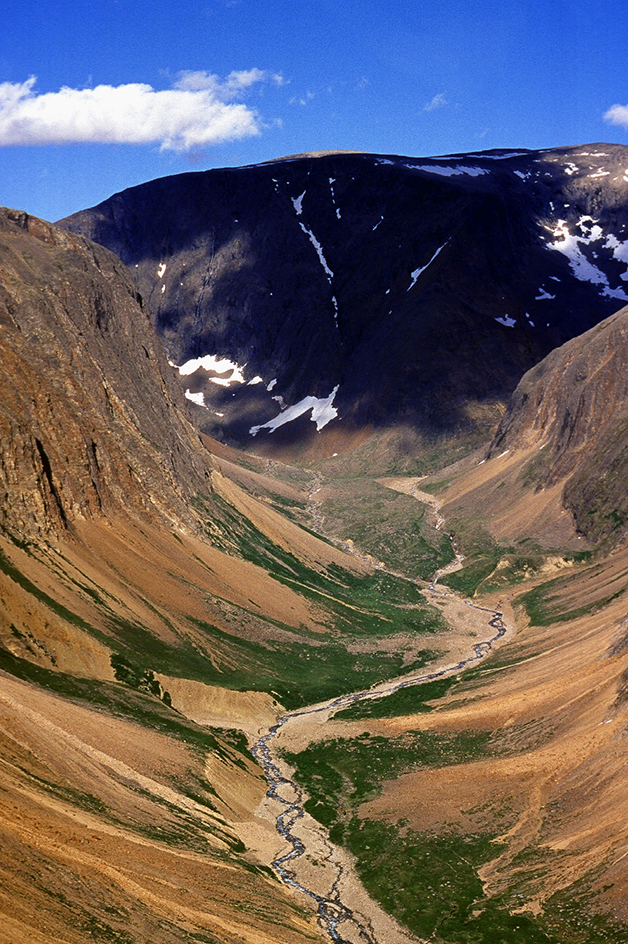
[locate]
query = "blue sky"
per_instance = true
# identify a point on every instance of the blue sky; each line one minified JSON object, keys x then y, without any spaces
{"x":156,"y":88}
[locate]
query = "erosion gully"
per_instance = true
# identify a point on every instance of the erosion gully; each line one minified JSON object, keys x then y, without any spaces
{"x":336,"y":918}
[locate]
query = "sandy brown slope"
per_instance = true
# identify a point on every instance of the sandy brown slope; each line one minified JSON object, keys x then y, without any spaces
{"x":558,"y":792}
{"x":571,"y":411}
{"x":112,"y":832}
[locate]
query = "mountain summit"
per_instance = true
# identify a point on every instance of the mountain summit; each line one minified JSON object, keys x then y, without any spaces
{"x":359,"y":292}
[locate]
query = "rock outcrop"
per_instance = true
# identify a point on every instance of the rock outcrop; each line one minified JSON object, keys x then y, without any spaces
{"x":573,"y":408}
{"x":91,"y":423}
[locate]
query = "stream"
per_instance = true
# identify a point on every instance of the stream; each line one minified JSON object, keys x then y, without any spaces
{"x":333,"y":913}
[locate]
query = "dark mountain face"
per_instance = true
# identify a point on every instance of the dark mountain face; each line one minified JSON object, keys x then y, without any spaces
{"x":357,"y":291}
{"x":91,"y":424}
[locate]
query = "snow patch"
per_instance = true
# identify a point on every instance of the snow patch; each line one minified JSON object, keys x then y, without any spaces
{"x":255,"y":380}
{"x":507,"y":321}
{"x":161,"y":270}
{"x":543,"y":296}
{"x":218,"y":365}
{"x":319,"y":250}
{"x":323,"y":261}
{"x":298,"y":203}
{"x":620,"y":250}
{"x":197,"y":398}
{"x":332,"y":181}
{"x":582,"y":268}
{"x":381,"y":220}
{"x":502,"y":157}
{"x":417,"y":272}
{"x":323,"y":411}
{"x":448,"y":171}
{"x":270,"y":386}
{"x":445,"y":170}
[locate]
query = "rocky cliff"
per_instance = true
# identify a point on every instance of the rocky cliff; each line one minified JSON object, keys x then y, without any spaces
{"x":91,"y":421}
{"x":573,"y":408}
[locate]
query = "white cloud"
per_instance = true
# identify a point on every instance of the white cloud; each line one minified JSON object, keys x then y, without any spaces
{"x":200,"y":110}
{"x":617,"y":115}
{"x":439,"y":101}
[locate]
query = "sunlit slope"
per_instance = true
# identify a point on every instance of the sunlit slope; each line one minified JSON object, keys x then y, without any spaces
{"x":545,"y":776}
{"x":113,"y":827}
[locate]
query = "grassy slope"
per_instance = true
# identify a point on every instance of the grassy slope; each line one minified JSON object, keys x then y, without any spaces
{"x":209,"y":632}
{"x":113,"y":830}
{"x":86,"y":626}
{"x":427,"y":868}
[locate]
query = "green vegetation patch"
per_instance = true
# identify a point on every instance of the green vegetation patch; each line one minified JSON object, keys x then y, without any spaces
{"x":468,"y":579}
{"x":431,"y":885}
{"x":389,"y":525}
{"x":571,"y":916}
{"x":143,"y":680}
{"x":340,"y":774}
{"x":373,"y":604}
{"x":297,"y":673}
{"x":482,"y":555}
{"x":406,"y":701}
{"x":544,"y":606}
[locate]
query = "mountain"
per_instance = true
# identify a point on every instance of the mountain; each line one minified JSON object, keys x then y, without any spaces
{"x":92,"y":423}
{"x":164,"y":597}
{"x":318,"y":299}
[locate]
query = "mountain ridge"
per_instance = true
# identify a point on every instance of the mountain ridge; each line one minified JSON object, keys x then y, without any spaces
{"x":415,"y":290}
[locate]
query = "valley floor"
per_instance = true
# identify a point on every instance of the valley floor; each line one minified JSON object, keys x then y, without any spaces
{"x":488,"y":802}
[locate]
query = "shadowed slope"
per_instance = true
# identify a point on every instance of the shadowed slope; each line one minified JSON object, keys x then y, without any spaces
{"x":413,"y":292}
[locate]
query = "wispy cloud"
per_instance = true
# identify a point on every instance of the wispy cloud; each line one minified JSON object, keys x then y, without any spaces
{"x":617,"y":115}
{"x":302,"y":99}
{"x":200,"y":110}
{"x":439,"y":101}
